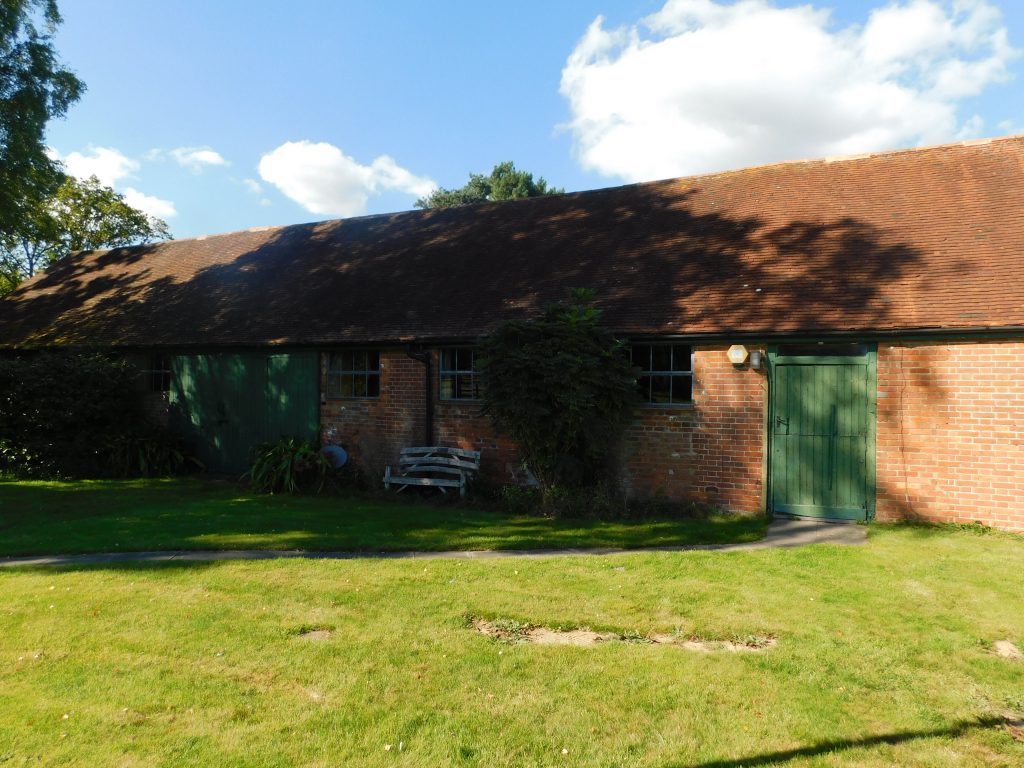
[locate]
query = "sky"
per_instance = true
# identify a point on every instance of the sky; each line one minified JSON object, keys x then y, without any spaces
{"x":220,"y":116}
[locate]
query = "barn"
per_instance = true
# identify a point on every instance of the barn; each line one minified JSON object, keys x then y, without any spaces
{"x":838,"y":338}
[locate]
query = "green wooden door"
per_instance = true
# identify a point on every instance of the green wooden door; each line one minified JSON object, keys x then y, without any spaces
{"x":291,"y":396}
{"x":822,"y":436}
{"x":224,"y":404}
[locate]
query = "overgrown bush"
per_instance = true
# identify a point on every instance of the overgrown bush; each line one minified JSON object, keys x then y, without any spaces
{"x":150,"y":451}
{"x":60,"y":412}
{"x":562,"y":387}
{"x":288,"y":466}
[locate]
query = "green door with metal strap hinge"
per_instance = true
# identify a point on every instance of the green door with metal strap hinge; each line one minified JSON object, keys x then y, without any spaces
{"x":822,"y":427}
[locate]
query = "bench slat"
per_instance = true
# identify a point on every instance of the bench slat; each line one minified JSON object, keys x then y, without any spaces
{"x":461,"y":452}
{"x":408,"y":461}
{"x":423,"y":481}
{"x":427,"y":468}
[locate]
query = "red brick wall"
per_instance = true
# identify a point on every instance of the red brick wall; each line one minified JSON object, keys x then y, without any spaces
{"x":712,"y":452}
{"x":950,"y":440}
{"x":374,"y":430}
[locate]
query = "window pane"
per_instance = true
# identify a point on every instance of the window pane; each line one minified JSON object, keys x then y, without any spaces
{"x":448,"y":359}
{"x":464,"y":386}
{"x":373,"y":385}
{"x":641,"y":356}
{"x":661,"y":358}
{"x":465,"y":359}
{"x":681,"y":358}
{"x":345,"y":385}
{"x":373,"y":361}
{"x":358,"y":386}
{"x":661,"y":389}
{"x":682,"y":389}
{"x":643,"y":386}
{"x":447,"y":387}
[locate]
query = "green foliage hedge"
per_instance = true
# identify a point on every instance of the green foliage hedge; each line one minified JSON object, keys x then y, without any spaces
{"x":79,"y":414}
{"x":562,"y":387}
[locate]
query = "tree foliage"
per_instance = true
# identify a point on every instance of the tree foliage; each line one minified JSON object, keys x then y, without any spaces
{"x":81,"y":215}
{"x":505,"y":182}
{"x":562,"y":387}
{"x":34,"y":89}
{"x":80,"y":415}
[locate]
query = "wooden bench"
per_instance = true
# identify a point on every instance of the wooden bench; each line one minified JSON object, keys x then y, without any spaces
{"x":436,"y":467}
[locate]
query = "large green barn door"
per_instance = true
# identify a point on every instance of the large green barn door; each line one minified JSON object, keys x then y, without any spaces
{"x":822,"y":433}
{"x":291,"y":402}
{"x":224,"y":404}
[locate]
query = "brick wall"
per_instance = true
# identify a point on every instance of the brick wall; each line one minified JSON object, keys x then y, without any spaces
{"x":712,"y":452}
{"x":950,"y":440}
{"x":374,"y":430}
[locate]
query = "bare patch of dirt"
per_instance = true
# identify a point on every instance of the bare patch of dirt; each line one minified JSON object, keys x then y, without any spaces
{"x":317,"y":635}
{"x":511,"y":631}
{"x":1007,"y":650}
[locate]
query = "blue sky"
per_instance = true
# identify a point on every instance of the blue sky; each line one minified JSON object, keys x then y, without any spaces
{"x":228,"y":115}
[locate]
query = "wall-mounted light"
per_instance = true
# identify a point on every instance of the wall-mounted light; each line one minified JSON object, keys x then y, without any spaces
{"x":755,"y":359}
{"x":737,"y":354}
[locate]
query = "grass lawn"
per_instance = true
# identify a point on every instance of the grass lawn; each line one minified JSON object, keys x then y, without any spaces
{"x":110,"y":516}
{"x":882,"y":658}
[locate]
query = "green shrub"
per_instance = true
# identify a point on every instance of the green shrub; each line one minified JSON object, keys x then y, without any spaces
{"x":59,"y":412}
{"x":150,"y":451}
{"x":562,"y":387}
{"x":288,"y":466}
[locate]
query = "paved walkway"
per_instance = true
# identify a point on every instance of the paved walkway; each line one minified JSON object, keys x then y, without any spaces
{"x":781,"y":534}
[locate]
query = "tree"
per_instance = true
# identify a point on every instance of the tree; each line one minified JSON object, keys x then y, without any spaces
{"x":505,"y":182}
{"x":562,"y":387}
{"x":81,"y":215}
{"x":34,"y":89}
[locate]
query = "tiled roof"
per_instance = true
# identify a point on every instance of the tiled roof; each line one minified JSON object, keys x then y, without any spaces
{"x":919,"y":239}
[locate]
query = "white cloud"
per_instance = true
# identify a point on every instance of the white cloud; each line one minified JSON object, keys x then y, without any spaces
{"x":111,"y":167}
{"x":154,"y":206}
{"x":105,"y":163}
{"x":703,"y":86}
{"x":252,"y":185}
{"x":323,"y":180}
{"x":196,"y":158}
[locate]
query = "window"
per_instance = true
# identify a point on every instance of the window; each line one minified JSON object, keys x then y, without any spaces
{"x":459,"y":377}
{"x":353,"y":374}
{"x":159,"y":373}
{"x":666,"y":376}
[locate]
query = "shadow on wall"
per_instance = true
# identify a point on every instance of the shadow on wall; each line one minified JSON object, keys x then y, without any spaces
{"x":660,"y":261}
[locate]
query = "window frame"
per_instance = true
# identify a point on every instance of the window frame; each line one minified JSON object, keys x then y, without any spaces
{"x":353,"y":373}
{"x":651,"y":373}
{"x":453,"y":373}
{"x":160,"y":373}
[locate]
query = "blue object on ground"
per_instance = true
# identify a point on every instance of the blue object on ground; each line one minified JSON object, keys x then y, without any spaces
{"x":335,"y":454}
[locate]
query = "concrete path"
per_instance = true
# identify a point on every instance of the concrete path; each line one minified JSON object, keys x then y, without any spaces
{"x":782,"y":533}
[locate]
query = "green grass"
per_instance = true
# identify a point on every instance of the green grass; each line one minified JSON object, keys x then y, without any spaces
{"x":110,"y":516}
{"x":883,"y":658}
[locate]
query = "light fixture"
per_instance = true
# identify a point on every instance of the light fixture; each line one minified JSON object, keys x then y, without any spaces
{"x":755,"y":359}
{"x":737,"y":354}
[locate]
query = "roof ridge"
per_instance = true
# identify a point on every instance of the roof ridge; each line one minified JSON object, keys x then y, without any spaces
{"x":828,"y":160}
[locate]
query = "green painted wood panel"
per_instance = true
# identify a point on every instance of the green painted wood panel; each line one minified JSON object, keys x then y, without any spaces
{"x":224,"y":404}
{"x":822,"y":437}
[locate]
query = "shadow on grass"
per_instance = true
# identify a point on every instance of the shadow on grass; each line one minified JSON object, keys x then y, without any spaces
{"x":107,"y":516}
{"x":838,"y":745}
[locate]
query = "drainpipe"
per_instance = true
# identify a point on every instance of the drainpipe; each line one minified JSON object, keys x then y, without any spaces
{"x":423,"y":356}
